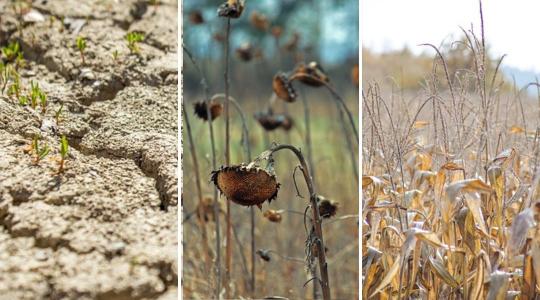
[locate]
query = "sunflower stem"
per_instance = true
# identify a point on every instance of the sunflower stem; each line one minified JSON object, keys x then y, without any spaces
{"x":200,"y":210}
{"x":215,"y":196}
{"x":247,"y":152}
{"x":228,"y":257}
{"x":317,"y":221}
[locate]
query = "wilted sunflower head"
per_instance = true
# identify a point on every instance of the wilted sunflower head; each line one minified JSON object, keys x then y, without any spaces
{"x":293,"y":42}
{"x":270,"y":121}
{"x":283,"y":87}
{"x":259,"y":54}
{"x":205,"y":209}
{"x":218,"y":37}
{"x":273,"y":215}
{"x":202,"y":112}
{"x":259,"y":21}
{"x":327,"y":207}
{"x":246,"y":185}
{"x":276,"y":31}
{"x":264,"y":254}
{"x":196,"y":17}
{"x":231,"y":9}
{"x":311,"y":74}
{"x":245,"y":52}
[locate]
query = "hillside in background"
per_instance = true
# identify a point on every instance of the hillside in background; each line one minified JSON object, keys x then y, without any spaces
{"x":409,"y":71}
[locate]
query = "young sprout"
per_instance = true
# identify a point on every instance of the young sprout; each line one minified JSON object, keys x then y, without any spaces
{"x":15,"y":87}
{"x":81,"y":45}
{"x":115,"y":55}
{"x":40,"y":152}
{"x":133,"y":38}
{"x":64,"y":148}
{"x":23,"y":100}
{"x":12,"y":51}
{"x":19,"y":61}
{"x":52,"y":19}
{"x":43,"y":101}
{"x":37,"y":94}
{"x":4,"y":76}
{"x":34,"y":94}
{"x":58,"y":113}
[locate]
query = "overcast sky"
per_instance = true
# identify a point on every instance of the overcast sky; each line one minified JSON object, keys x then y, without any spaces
{"x":510,"y":26}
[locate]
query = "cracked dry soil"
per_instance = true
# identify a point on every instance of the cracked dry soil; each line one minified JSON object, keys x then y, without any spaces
{"x":107,"y":227}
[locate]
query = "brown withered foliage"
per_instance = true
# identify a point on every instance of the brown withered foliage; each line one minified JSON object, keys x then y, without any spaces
{"x":245,"y":52}
{"x":196,"y":17}
{"x":246,"y":185}
{"x":311,"y":74}
{"x":450,"y":200}
{"x":231,"y":9}
{"x":283,"y":88}
{"x":259,"y":21}
{"x":270,"y":121}
{"x":202,"y":112}
{"x":273,"y":215}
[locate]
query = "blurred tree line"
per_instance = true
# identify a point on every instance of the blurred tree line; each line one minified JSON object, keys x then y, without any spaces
{"x":310,"y":30}
{"x":410,"y":71}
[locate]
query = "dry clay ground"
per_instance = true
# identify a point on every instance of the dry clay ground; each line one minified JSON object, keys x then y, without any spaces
{"x":107,"y":227}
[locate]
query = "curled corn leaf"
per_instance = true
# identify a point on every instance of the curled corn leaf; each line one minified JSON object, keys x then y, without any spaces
{"x":519,"y":229}
{"x":412,"y":199}
{"x":474,"y":205}
{"x":442,"y":273}
{"x":504,"y":159}
{"x":466,"y":186}
{"x":377,"y":184}
{"x":390,"y":274}
{"x":498,"y":285}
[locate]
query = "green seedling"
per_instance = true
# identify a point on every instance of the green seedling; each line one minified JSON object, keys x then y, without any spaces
{"x":52,"y":21}
{"x":62,"y":22}
{"x":133,"y":38}
{"x":115,"y":55}
{"x":81,"y":45}
{"x":12,"y":51}
{"x":34,"y":94}
{"x":23,"y":100}
{"x":15,"y":87}
{"x":40,"y":152}
{"x":4,"y":76}
{"x":37,"y":94}
{"x":58,"y":113}
{"x":43,"y":101}
{"x":64,"y":148}
{"x":19,"y":61}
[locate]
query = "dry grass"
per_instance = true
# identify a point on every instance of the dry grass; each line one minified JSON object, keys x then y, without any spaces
{"x":450,"y":186}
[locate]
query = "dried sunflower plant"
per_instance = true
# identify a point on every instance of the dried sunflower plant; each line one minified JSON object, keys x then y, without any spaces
{"x":249,"y":185}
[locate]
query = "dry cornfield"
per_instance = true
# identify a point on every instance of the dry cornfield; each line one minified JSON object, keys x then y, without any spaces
{"x":450,"y":183}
